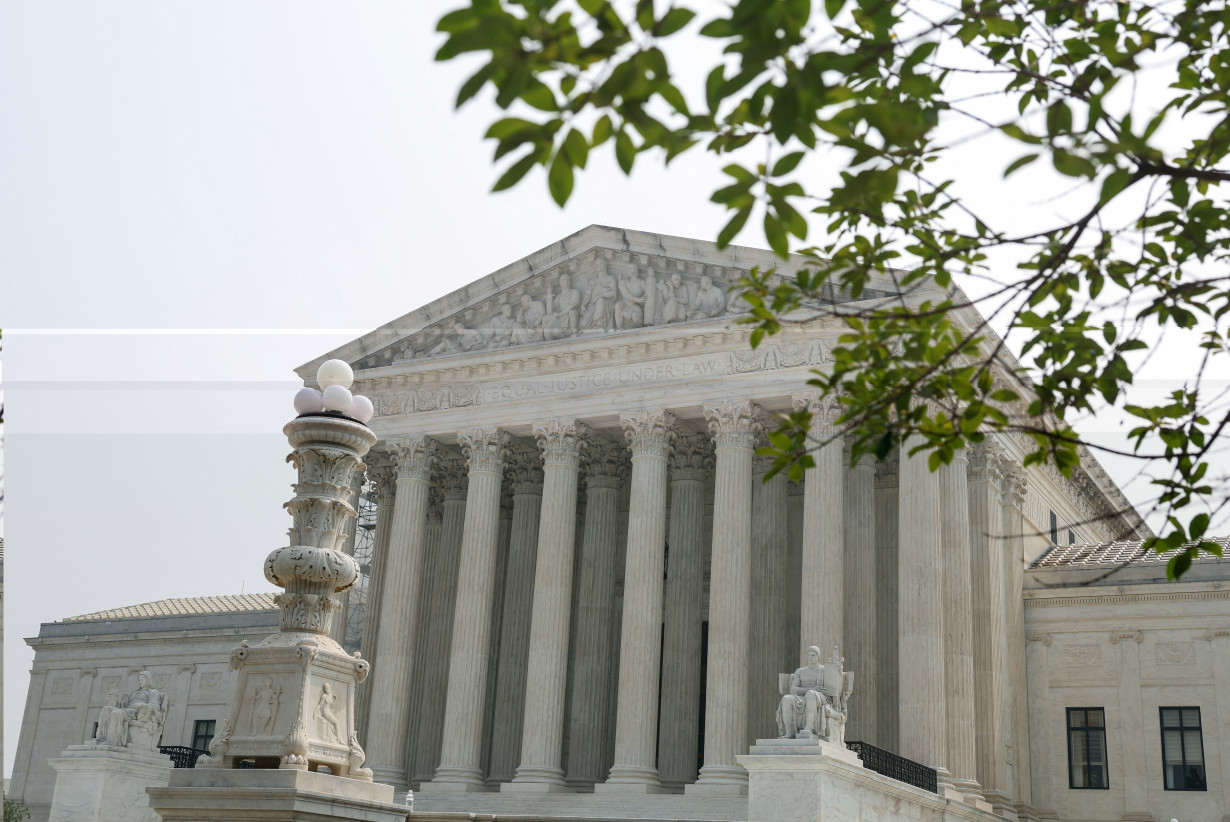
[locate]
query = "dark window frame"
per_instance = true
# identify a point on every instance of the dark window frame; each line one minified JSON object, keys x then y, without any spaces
{"x":1054,"y":528}
{"x":1069,"y":728}
{"x":1181,"y":728}
{"x":197,"y":734}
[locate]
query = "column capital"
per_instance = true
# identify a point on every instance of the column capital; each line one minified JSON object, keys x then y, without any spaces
{"x":866,"y":462}
{"x":435,"y":496}
{"x":383,"y":475}
{"x":605,"y":465}
{"x":984,"y":463}
{"x":452,"y":478}
{"x":691,"y":458}
{"x":887,"y":470}
{"x":484,"y":450}
{"x":523,"y":467}
{"x":415,"y":456}
{"x":735,"y":424}
{"x":649,"y":433}
{"x":562,"y":441}
{"x":1015,"y":484}
{"x":824,"y":409}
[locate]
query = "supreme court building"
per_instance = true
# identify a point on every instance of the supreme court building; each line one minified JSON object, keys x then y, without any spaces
{"x":580,"y":582}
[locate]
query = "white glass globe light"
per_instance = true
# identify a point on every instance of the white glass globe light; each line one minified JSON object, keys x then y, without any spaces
{"x":361,"y":408}
{"x":337,"y":399}
{"x":309,"y":401}
{"x":334,"y":372}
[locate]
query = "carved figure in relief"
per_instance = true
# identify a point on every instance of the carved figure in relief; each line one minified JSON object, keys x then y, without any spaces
{"x":265,"y":701}
{"x":502,"y":326}
{"x":674,"y":300}
{"x":528,"y":328}
{"x":458,"y":339}
{"x":325,"y":716}
{"x":709,"y":301}
{"x":599,"y":310}
{"x":563,"y":311}
{"x":630,"y":310}
{"x":814,"y":704}
{"x":134,"y":720}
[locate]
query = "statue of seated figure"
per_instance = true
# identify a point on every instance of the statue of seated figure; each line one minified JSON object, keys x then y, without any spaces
{"x":815,"y":699}
{"x":135,"y":720}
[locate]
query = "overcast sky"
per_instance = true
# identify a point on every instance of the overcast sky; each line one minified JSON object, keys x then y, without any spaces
{"x":196,"y":197}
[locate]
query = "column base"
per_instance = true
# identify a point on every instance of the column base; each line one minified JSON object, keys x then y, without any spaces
{"x":390,"y":776}
{"x":971,"y":794}
{"x":631,"y":779}
{"x":629,"y":788}
{"x":456,"y":780}
{"x":536,"y":780}
{"x":719,"y":780}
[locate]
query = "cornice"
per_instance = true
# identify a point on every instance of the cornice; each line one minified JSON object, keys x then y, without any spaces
{"x":1111,"y":599}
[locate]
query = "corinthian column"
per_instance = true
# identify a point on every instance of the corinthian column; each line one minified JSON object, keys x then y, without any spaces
{"x":442,"y":579}
{"x":886,"y":604}
{"x":690,"y":465}
{"x":958,"y":618}
{"x":860,"y":584}
{"x":385,"y":478}
{"x":525,"y":472}
{"x":419,"y":770}
{"x":824,"y":491}
{"x":606,"y":467}
{"x":987,"y":598}
{"x":920,"y":627}
{"x":734,"y":426}
{"x":768,"y":597}
{"x":561,"y":442}
{"x":462,"y":746}
{"x":390,"y":709}
{"x":1015,"y":487}
{"x":649,"y":434}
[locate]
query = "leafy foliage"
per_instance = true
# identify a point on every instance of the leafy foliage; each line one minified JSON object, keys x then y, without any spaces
{"x":874,"y":87}
{"x":14,"y":811}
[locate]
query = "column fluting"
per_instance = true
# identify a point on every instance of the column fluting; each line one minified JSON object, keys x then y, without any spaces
{"x":524,"y":470}
{"x":442,"y":579}
{"x":1016,"y":483}
{"x":392,"y":669}
{"x":886,"y":534}
{"x":561,"y":443}
{"x":431,"y":564}
{"x":649,"y":435}
{"x":384,"y":476}
{"x":824,"y":491}
{"x":462,"y":745}
{"x":691,"y":463}
{"x":734,"y":426}
{"x":860,"y":592}
{"x":958,"y":629}
{"x":920,"y":640}
{"x":606,"y":468}
{"x":768,"y":597}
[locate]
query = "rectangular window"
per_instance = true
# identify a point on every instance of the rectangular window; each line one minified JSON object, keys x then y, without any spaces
{"x":1054,"y":529}
{"x":1182,"y":749}
{"x":1071,"y":537}
{"x":202,"y":734}
{"x":1087,"y":749}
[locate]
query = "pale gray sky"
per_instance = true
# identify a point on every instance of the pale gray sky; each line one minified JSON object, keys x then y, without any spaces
{"x":197,"y":197}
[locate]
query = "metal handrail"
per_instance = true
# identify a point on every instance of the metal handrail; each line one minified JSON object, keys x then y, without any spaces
{"x":894,"y":766}
{"x":181,"y":755}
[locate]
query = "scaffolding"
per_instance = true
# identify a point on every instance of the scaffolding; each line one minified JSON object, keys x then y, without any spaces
{"x":364,"y":543}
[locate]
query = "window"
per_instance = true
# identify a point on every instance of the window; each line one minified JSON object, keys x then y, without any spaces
{"x":1087,"y":749}
{"x":1071,"y":537}
{"x":1054,"y":528}
{"x":202,"y":734}
{"x":1182,"y":749}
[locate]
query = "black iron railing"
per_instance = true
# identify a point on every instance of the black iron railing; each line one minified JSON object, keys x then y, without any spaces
{"x":181,"y":755}
{"x":894,"y":766}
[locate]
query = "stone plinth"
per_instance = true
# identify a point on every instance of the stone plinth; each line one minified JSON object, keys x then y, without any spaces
{"x":790,"y":781}
{"x":105,"y":783}
{"x":195,"y":795}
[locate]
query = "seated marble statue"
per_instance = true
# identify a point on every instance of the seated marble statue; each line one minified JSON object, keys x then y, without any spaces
{"x":814,"y":704}
{"x":134,"y":720}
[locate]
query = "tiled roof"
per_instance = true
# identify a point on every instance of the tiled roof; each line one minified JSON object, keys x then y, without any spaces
{"x":233,"y":603}
{"x":1111,"y":554}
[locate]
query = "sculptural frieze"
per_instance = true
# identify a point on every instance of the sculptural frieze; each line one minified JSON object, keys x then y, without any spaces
{"x":815,"y":700}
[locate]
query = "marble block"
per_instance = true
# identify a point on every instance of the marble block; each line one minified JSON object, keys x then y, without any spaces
{"x":798,"y":783}
{"x":106,"y":783}
{"x":805,"y":747}
{"x":272,"y":795}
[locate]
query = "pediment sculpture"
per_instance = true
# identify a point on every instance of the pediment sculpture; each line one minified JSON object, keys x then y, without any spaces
{"x":815,"y":700}
{"x":133,"y":720}
{"x":600,"y":293}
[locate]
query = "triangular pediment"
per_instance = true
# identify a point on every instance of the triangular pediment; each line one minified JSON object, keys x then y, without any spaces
{"x":601,"y":281}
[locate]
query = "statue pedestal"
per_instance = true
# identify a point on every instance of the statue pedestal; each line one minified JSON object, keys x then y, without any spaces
{"x":810,"y":780}
{"x":272,"y":795}
{"x":105,"y":783}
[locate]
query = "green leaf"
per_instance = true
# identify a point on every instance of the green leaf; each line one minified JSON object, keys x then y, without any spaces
{"x":625,"y":151}
{"x":1199,"y":525}
{"x":516,"y":171}
{"x":775,"y":233}
{"x":471,"y":86}
{"x":1073,"y":165}
{"x":602,"y":130}
{"x":576,"y":147}
{"x":713,"y":87}
{"x":559,"y":178}
{"x":733,"y":227}
{"x":833,"y":7}
{"x":674,"y":20}
{"x":788,"y":163}
{"x":1020,"y":162}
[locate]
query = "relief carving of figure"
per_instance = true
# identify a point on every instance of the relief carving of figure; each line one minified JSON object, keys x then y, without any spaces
{"x":528,"y":328}
{"x":674,"y":300}
{"x":815,"y":705}
{"x":458,"y":339}
{"x":600,"y":305}
{"x":325,"y":715}
{"x":563,"y":311}
{"x":265,"y":703}
{"x":709,"y":301}
{"x":630,"y":310}
{"x":502,"y":326}
{"x":134,"y":720}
